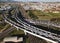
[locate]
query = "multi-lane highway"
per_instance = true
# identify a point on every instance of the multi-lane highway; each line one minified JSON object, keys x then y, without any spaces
{"x":20,"y":23}
{"x":44,"y":22}
{"x":36,"y":30}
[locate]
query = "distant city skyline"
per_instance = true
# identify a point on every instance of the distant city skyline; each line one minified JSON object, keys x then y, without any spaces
{"x":39,"y":0}
{"x":34,"y":0}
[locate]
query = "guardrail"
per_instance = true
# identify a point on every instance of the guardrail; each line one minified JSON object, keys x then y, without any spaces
{"x":33,"y":30}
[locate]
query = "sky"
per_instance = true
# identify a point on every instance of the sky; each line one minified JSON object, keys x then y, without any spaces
{"x":34,"y":0}
{"x":40,"y":0}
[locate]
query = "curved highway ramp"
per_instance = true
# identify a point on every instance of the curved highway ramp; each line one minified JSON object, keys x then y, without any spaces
{"x":21,"y":24}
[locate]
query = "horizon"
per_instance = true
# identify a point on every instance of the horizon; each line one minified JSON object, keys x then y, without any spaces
{"x":33,"y":0}
{"x":39,"y":0}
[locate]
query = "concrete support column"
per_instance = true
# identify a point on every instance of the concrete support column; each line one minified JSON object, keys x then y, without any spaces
{"x":25,"y":32}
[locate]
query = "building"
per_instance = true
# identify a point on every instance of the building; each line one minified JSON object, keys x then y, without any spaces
{"x":13,"y":39}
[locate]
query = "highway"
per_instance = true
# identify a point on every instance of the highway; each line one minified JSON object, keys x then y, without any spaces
{"x":6,"y":32}
{"x":37,"y":30}
{"x":20,"y":23}
{"x":44,"y":22}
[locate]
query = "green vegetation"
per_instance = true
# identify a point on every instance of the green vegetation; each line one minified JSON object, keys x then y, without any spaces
{"x":32,"y":15}
{"x":1,"y":17}
{"x":39,"y":15}
{"x":13,"y":11}
{"x":2,"y":26}
{"x":55,"y":15}
{"x":27,"y":40}
{"x":17,"y":32}
{"x":5,"y":27}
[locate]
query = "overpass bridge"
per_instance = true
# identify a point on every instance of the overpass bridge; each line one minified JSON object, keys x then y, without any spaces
{"x":20,"y":23}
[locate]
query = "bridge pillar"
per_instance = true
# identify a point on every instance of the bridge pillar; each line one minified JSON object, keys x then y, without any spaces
{"x":25,"y":32}
{"x":17,"y":29}
{"x":11,"y":25}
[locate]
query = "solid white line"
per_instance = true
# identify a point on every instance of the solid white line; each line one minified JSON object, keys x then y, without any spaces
{"x":33,"y":33}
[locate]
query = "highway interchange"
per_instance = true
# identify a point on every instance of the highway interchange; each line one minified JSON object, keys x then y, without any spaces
{"x":20,"y":23}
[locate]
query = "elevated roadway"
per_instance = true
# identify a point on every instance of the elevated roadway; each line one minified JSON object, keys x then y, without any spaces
{"x":20,"y":23}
